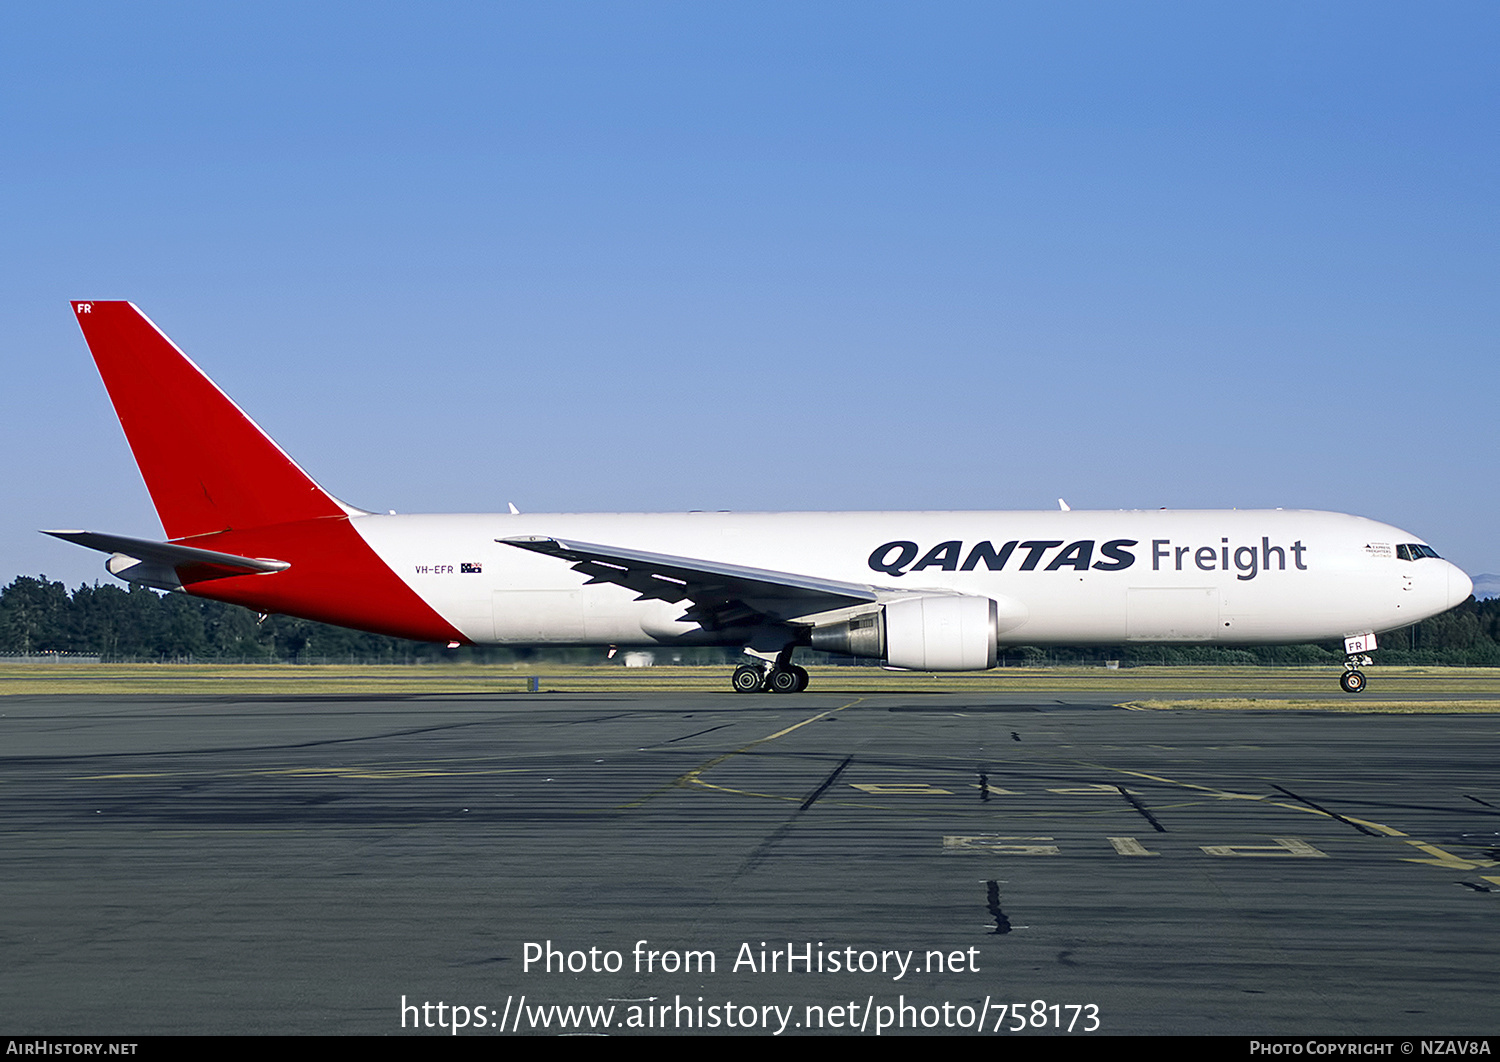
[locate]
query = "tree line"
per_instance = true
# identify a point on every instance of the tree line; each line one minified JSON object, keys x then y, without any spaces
{"x":121,"y":624}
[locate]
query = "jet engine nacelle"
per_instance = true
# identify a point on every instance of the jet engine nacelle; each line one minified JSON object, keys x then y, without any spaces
{"x":937,"y":632}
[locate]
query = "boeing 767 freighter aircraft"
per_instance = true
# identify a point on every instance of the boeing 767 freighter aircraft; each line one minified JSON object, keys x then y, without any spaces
{"x":926,"y":591}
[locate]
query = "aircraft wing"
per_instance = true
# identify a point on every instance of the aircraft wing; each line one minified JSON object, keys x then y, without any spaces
{"x":722,"y":594}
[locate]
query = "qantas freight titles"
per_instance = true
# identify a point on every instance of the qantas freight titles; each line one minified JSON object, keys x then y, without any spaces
{"x":1246,"y":561}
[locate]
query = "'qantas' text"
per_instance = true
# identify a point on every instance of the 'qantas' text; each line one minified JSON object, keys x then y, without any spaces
{"x":903,"y":557}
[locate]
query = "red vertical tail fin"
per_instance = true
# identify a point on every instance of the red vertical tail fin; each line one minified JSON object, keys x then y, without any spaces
{"x":208,"y":466}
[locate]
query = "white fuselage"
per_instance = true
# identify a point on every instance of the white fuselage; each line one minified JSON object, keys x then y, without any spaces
{"x":1067,"y":577}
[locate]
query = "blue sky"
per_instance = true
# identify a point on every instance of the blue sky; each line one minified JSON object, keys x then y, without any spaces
{"x":664,"y":256}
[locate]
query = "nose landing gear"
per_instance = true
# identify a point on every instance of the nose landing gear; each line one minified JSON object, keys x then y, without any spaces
{"x":1356,"y":650}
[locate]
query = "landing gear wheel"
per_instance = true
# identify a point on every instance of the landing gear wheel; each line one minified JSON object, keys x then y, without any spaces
{"x":1352,"y":681}
{"x":802,"y":680}
{"x":748,"y":679}
{"x":783,"y":680}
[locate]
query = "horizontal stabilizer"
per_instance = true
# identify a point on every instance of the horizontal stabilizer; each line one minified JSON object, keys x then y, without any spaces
{"x":169,"y":554}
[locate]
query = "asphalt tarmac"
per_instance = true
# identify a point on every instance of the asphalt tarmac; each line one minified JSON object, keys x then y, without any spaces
{"x":369,"y":865}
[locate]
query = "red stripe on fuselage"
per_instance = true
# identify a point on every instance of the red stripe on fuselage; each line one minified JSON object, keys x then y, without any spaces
{"x":335,"y":577}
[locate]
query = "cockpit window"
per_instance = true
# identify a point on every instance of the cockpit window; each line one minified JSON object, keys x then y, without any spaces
{"x":1414,"y":551}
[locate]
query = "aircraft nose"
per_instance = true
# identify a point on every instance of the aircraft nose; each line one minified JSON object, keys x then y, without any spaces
{"x":1460,"y":586}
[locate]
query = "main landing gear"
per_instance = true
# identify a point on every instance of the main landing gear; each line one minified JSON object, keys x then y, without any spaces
{"x":781,"y":677}
{"x":1353,"y":679}
{"x":751,"y":679}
